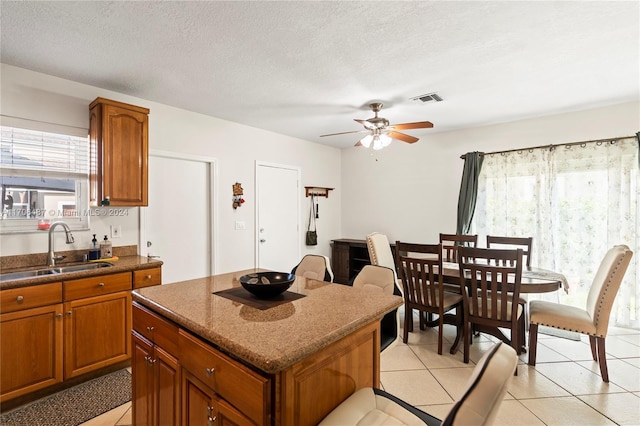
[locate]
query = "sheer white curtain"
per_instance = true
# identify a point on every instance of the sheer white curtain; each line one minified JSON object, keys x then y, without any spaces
{"x":576,"y":201}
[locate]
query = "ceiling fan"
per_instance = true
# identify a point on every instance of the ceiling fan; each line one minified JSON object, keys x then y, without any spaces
{"x":381,"y":133}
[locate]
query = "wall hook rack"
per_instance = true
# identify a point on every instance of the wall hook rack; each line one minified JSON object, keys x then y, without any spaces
{"x":317,"y":191}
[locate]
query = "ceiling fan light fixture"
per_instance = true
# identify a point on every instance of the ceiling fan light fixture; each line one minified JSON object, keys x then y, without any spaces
{"x":366,"y":141}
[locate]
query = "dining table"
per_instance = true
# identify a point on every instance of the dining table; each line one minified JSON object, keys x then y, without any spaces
{"x":534,"y":280}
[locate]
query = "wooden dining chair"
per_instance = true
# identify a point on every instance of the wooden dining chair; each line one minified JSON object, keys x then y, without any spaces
{"x":451,"y":243}
{"x":418,"y":266}
{"x":593,"y":320}
{"x":524,"y":243}
{"x":490,"y":281}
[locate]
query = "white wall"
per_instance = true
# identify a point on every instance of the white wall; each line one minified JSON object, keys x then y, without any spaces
{"x":236,"y":147}
{"x":410,"y":192}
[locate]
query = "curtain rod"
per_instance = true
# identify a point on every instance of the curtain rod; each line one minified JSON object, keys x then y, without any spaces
{"x":554,"y":145}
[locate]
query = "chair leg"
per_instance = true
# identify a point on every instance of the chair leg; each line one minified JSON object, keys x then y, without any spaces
{"x":459,"y":330}
{"x":440,"y":327}
{"x":592,"y":342}
{"x":533,"y":343}
{"x":602,"y":359}
{"x":466,"y":336}
{"x":407,"y":319}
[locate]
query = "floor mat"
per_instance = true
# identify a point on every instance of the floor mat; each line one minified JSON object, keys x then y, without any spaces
{"x":75,"y":405}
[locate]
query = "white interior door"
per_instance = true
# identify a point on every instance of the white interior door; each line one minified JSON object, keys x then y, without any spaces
{"x":278,"y":216}
{"x":177,"y":225}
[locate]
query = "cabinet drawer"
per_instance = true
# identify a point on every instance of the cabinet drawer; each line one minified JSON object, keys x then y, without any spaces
{"x":243,"y":388}
{"x":16,"y":299}
{"x":96,"y":286}
{"x":147,"y":277}
{"x":159,"y":331}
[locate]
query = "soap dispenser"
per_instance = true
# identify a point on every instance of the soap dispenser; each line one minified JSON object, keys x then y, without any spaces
{"x":105,"y":248}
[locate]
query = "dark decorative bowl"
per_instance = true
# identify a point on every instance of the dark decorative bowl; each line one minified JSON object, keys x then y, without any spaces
{"x":265,"y":285}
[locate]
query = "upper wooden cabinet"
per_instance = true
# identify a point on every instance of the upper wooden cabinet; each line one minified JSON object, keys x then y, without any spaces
{"x":119,"y":150}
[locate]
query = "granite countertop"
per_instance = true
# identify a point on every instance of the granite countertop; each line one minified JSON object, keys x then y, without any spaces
{"x":123,"y":264}
{"x":272,"y":339}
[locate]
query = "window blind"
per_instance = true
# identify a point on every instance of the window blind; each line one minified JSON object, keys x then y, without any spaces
{"x":47,"y":154}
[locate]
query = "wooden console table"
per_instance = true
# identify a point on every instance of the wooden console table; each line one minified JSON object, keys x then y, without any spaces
{"x":348,"y":257}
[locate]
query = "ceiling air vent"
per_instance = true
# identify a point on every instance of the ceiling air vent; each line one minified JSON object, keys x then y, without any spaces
{"x":429,"y":97}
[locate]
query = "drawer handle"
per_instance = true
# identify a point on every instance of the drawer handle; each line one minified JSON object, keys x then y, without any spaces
{"x":209,"y":371}
{"x":150,"y":329}
{"x":19,"y":299}
{"x":100,"y":284}
{"x":148,"y":277}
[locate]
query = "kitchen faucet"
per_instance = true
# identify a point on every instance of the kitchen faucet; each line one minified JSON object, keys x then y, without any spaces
{"x":51,"y":256}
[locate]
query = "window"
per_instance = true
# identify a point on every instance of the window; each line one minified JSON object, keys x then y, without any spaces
{"x":576,"y":201}
{"x":44,"y":178}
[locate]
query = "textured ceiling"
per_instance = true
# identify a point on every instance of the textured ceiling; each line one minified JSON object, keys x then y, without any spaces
{"x":307,"y":68}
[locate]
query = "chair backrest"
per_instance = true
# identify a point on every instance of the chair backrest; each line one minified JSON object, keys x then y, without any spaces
{"x":605,"y":285}
{"x":418,"y":265}
{"x":315,"y":267}
{"x":451,"y":243}
{"x":491,"y":279}
{"x":375,"y":278}
{"x":524,"y":243}
{"x":380,"y":251}
{"x":485,"y":389}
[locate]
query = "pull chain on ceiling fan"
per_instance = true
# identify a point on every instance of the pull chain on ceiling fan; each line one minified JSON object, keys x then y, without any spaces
{"x":381,"y":133}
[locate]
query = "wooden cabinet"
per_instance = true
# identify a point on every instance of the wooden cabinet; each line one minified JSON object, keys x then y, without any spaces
{"x":179,"y":379}
{"x":119,"y":149}
{"x":147,"y":277}
{"x":33,"y":359}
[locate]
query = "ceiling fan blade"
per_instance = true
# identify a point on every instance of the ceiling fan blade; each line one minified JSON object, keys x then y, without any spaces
{"x":345,"y":133}
{"x":416,"y":125}
{"x":365,"y":123}
{"x":358,"y":143}
{"x":402,"y":137}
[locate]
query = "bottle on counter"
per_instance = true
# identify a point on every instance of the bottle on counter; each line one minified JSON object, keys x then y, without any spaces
{"x":94,"y":250}
{"x":105,"y":248}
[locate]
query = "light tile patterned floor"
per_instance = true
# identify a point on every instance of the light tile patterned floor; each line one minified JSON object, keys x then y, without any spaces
{"x":564,"y":388}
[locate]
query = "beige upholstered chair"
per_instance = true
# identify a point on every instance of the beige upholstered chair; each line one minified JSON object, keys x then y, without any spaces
{"x":594,"y":319}
{"x":478,"y":405}
{"x":381,"y":279}
{"x":419,"y":266}
{"x":315,"y":267}
{"x":380,"y":252}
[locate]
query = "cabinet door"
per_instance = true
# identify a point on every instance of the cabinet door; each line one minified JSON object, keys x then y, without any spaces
{"x":31,"y":350}
{"x":166,"y":388}
{"x":143,"y":377}
{"x":197,"y":401}
{"x":225,"y":415}
{"x":97,"y":332}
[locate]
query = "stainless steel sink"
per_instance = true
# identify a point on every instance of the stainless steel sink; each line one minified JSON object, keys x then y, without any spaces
{"x":20,"y":275}
{"x":83,"y":267}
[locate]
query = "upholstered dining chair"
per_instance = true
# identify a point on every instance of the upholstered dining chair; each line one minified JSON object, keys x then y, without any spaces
{"x":478,"y":405}
{"x":315,"y":267}
{"x":451,"y":243}
{"x":525,"y":243}
{"x":593,"y":320}
{"x":381,"y":279}
{"x":380,"y":253}
{"x":419,"y":266}
{"x":490,"y":281}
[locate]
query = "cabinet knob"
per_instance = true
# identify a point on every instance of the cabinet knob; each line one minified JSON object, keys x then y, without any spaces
{"x":209,"y":371}
{"x":58,"y":316}
{"x":148,"y":277}
{"x":68,"y":313}
{"x":19,"y":299}
{"x":101,"y":285}
{"x":211,"y":420}
{"x":150,"y":328}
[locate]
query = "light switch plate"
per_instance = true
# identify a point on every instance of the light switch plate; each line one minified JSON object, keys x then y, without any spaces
{"x":240,"y":225}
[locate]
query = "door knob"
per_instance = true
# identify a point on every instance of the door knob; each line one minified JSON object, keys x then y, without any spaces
{"x":262,"y":240}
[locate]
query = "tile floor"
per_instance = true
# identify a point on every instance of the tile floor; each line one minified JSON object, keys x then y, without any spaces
{"x":564,"y":388}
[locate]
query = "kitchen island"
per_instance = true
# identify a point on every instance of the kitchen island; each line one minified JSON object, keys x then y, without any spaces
{"x":202,"y":354}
